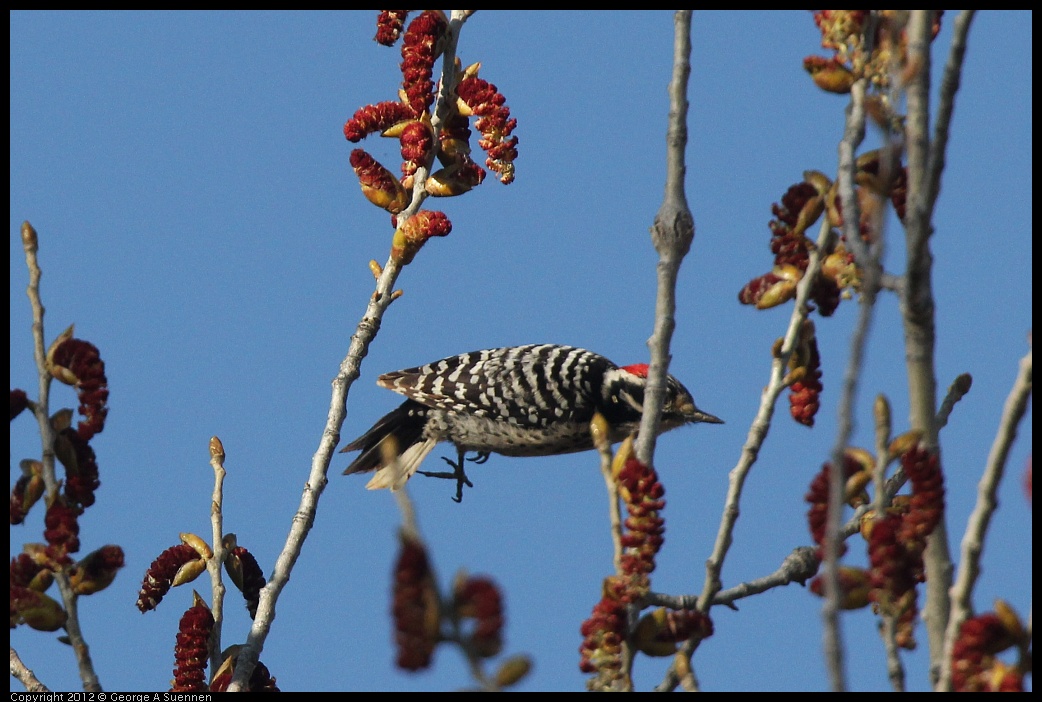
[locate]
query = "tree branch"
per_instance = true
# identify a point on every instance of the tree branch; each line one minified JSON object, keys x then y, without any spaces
{"x":672,"y":234}
{"x":25,"y":676}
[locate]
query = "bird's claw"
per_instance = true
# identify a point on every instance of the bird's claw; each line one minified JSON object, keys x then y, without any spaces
{"x":458,"y":474}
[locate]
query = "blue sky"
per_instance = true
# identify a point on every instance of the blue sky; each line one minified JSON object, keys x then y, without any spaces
{"x":200,"y":223}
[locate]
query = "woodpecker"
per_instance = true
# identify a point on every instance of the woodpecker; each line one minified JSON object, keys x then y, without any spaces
{"x":533,"y":400}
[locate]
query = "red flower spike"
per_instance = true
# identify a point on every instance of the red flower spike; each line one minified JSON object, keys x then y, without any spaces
{"x":603,"y":634}
{"x":494,"y":122}
{"x":82,"y":360}
{"x":19,"y":402}
{"x":389,"y":25}
{"x":818,"y":497}
{"x":417,"y":140}
{"x":421,"y":47}
{"x":159,"y":577}
{"x":413,"y":233}
{"x":805,"y":394}
{"x":246,"y":574}
{"x":81,"y":468}
{"x":838,"y":27}
{"x":974,"y":665}
{"x":96,"y":570}
{"x":643,"y":495}
{"x":897,"y":541}
{"x":924,"y":473}
{"x":376,"y":118}
{"x":192,"y":651}
{"x":62,"y":532}
{"x":894,"y":572}
{"x":480,"y":599}
{"x":379,"y":185}
{"x":414,"y":606}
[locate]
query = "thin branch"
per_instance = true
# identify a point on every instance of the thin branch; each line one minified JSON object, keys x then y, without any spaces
{"x":895,"y":670}
{"x":672,"y":234}
{"x":977,"y":525}
{"x":871,"y":272}
{"x":614,"y":509}
{"x":925,"y":163}
{"x":798,"y":567}
{"x":853,"y":135}
{"x":959,"y":387}
{"x":410,"y":527}
{"x":216,"y":561}
{"x":946,"y":103}
{"x":25,"y":676}
{"x":350,"y":369}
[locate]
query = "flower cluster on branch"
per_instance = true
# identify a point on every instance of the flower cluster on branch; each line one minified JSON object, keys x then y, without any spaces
{"x":659,"y":631}
{"x":176,"y":565}
{"x":975,"y":663}
{"x":246,"y":575}
{"x":865,"y":44}
{"x":414,"y":606}
{"x":896,"y":538}
{"x":472,"y":616}
{"x":478,"y":599}
{"x":804,"y":376}
{"x":410,"y":119}
{"x":192,"y":650}
{"x":77,"y":363}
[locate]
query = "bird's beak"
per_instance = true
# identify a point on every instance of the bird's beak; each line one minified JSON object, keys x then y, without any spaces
{"x":699,"y":416}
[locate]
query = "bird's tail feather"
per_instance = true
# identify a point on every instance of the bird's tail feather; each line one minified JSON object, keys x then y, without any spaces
{"x":394,"y":447}
{"x":398,"y":471}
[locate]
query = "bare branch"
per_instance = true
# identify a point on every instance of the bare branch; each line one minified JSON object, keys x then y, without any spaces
{"x":25,"y":676}
{"x":216,"y":562}
{"x":672,"y":233}
{"x":946,"y":102}
{"x":870,"y":264}
{"x":798,"y":567}
{"x":925,"y":163}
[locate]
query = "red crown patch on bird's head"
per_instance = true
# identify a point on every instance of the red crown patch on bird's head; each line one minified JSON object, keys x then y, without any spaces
{"x":638,"y":369}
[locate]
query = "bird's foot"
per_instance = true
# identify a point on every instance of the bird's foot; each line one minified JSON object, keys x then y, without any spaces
{"x":457,"y":474}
